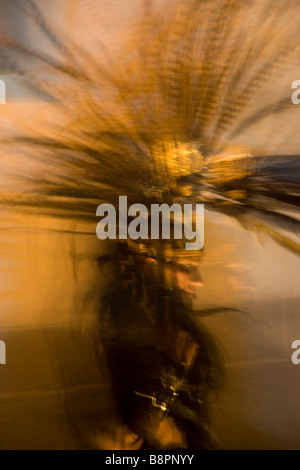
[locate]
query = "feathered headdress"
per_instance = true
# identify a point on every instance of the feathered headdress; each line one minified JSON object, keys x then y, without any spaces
{"x":154,"y":122}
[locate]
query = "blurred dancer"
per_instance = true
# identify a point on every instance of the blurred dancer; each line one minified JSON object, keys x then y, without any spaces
{"x":154,"y":124}
{"x":163,"y":364}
